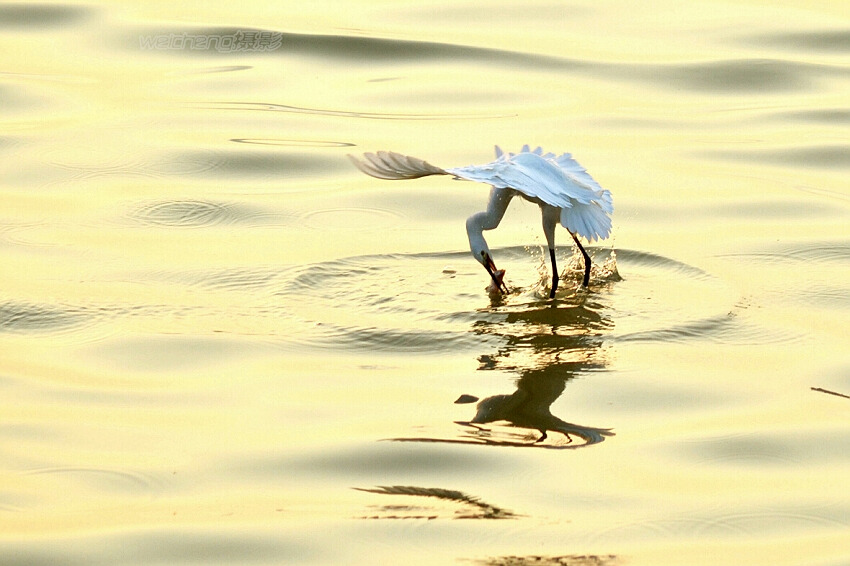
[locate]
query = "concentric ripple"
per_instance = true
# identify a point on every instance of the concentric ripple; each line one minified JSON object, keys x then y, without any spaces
{"x":437,"y":302}
{"x":185,"y":213}
{"x":430,"y":302}
{"x":194,"y":213}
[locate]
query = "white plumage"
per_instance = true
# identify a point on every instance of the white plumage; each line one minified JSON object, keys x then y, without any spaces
{"x":563,"y":189}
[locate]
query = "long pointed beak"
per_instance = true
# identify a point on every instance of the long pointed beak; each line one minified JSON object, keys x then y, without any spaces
{"x":495,"y":275}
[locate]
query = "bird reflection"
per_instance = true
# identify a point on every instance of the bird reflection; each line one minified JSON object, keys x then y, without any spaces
{"x":529,"y":406}
{"x":547,"y":344}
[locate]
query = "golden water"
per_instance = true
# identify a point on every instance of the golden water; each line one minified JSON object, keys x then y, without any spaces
{"x":222,"y":344}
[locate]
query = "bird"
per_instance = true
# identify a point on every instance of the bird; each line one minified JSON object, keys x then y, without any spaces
{"x":558,"y":184}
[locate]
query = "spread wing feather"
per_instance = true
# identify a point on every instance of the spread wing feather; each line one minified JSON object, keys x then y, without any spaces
{"x":559,"y":181}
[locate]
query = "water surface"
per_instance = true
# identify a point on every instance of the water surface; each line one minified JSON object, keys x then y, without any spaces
{"x":223,"y":344}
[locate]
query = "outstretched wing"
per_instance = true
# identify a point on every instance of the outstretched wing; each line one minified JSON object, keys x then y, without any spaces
{"x":555,"y":180}
{"x":391,"y":165}
{"x":559,"y":181}
{"x":537,"y":175}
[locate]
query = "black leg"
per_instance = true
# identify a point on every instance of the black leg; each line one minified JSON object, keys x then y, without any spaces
{"x":586,"y":260}
{"x":554,"y":273}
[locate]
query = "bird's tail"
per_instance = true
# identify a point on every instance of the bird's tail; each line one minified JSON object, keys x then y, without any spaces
{"x":590,"y":221}
{"x":391,"y":165}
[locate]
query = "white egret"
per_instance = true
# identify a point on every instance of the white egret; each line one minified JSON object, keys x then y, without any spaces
{"x":562,"y":188}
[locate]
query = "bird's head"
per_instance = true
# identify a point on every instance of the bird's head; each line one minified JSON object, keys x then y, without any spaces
{"x":497,"y":275}
{"x":481,"y":252}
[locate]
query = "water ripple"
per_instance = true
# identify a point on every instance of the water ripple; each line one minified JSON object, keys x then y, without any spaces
{"x":721,"y":329}
{"x":201,"y":213}
{"x":736,"y":524}
{"x":148,"y":167}
{"x":7,"y":143}
{"x":394,"y":340}
{"x":414,"y":303}
{"x":184,"y":213}
{"x":654,"y":261}
{"x":214,"y":70}
{"x":26,"y":318}
{"x":825,"y":296}
{"x":744,"y":75}
{"x":828,"y":116}
{"x":352,"y":219}
{"x":829,"y":41}
{"x":758,"y":522}
{"x":818,"y":157}
{"x":105,"y":479}
{"x":792,"y":448}
{"x":242,"y":164}
{"x":739,"y":75}
{"x":346,"y":49}
{"x":36,"y":16}
{"x":273,"y":107}
{"x":817,"y":252}
{"x":292,"y":143}
{"x":240,"y":280}
{"x":171,"y":545}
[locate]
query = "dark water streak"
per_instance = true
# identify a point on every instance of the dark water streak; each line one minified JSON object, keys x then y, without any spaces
{"x":732,"y":76}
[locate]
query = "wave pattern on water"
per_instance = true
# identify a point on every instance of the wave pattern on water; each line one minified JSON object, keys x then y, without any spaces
{"x":377,"y":290}
{"x":215,"y":70}
{"x":347,"y":48}
{"x":274,"y":107}
{"x":253,"y":164}
{"x":757,"y":522}
{"x":825,"y":296}
{"x":817,"y":268}
{"x":415,"y":303}
{"x":105,"y":479}
{"x":172,"y":545}
{"x":819,"y":157}
{"x":291,"y":142}
{"x":36,"y":16}
{"x":814,"y":252}
{"x":722,"y":329}
{"x":655,"y":261}
{"x":185,"y":213}
{"x":192,"y":213}
{"x":839,"y":117}
{"x":744,"y":75}
{"x":671,"y":314}
{"x":143,"y":166}
{"x":237,"y":280}
{"x":827,"y":41}
{"x":27,"y":318}
{"x":412,"y":303}
{"x":740,"y":75}
{"x":798,"y":448}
